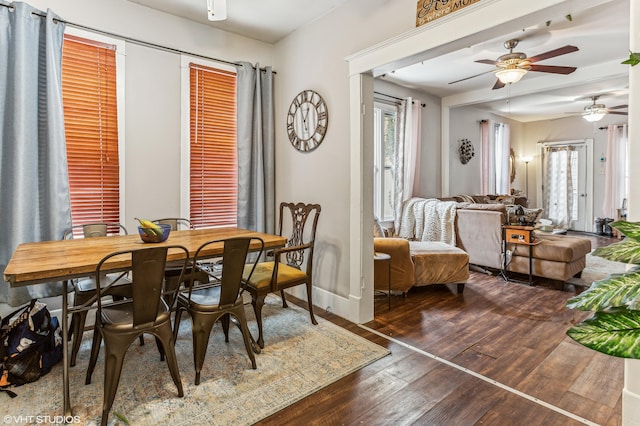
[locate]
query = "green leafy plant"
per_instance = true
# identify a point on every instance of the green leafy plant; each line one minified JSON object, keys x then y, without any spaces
{"x":614,"y":328}
{"x":634,"y":59}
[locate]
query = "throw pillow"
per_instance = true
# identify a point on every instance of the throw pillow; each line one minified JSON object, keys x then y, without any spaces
{"x":378,"y":232}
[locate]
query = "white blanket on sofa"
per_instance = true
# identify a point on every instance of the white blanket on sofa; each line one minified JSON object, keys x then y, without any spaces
{"x":429,"y":219}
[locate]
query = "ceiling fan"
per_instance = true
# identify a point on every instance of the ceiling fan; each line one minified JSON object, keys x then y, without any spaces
{"x":512,"y":66}
{"x":595,"y":112}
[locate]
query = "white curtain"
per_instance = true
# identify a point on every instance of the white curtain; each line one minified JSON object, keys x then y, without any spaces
{"x":256,"y":148}
{"x":487,"y":158}
{"x":407,"y":153}
{"x":502,"y":150}
{"x":616,"y":170}
{"x":34,"y":183}
{"x":559,"y":200}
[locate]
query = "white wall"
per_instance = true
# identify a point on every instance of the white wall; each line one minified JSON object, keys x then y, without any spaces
{"x":313,"y":58}
{"x":152,"y":91}
{"x":465,"y":124}
{"x":430,"y":168}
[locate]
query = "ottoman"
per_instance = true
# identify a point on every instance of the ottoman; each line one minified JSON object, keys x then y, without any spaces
{"x":557,"y":257}
{"x":439,"y":263}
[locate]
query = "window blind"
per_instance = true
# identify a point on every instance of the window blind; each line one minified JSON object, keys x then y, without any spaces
{"x":213,"y":146}
{"x":91,"y":128}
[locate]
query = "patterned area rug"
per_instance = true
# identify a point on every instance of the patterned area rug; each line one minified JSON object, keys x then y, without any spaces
{"x":298,"y":359}
{"x":597,"y":269}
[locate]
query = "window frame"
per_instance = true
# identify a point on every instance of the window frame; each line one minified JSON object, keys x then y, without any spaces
{"x":120,"y":109}
{"x":185,"y":125}
{"x":379,"y":110}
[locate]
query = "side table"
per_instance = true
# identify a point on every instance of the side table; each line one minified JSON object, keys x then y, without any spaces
{"x":382,"y":268}
{"x":518,"y":234}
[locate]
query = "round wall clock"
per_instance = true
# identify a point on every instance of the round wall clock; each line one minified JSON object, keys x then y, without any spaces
{"x":307,"y":120}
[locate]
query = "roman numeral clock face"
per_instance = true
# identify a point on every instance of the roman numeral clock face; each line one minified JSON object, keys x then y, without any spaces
{"x":307,"y":121}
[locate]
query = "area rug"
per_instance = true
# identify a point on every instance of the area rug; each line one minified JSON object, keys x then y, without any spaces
{"x":298,"y":359}
{"x":597,"y":269}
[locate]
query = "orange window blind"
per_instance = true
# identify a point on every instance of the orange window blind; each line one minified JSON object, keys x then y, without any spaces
{"x":213,"y":161}
{"x":91,"y":128}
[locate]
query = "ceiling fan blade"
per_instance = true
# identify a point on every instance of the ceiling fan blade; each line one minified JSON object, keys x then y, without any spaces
{"x":553,"y":69}
{"x":553,"y":53}
{"x":486,"y":61}
{"x":498,"y":85}
{"x":619,"y":107}
{"x":617,"y":112}
{"x":473,"y":76}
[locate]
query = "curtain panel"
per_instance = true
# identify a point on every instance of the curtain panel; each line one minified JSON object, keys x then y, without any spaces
{"x":34,"y":185}
{"x":256,"y":148}
{"x":616,"y":170}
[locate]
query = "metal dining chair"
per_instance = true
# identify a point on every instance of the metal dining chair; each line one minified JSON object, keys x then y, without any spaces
{"x":148,"y":310}
{"x":176,"y":223}
{"x":219,"y":300}
{"x":85,"y":288}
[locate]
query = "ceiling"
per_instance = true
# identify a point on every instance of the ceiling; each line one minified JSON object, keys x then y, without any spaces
{"x":600,"y":33}
{"x":268,"y":21}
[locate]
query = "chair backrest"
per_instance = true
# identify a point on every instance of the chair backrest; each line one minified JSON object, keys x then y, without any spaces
{"x":98,"y":229}
{"x":176,"y":223}
{"x":147,"y":266}
{"x":234,"y":260}
{"x":300,"y":221}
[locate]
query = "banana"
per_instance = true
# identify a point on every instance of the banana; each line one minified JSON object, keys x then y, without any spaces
{"x":149,"y":226}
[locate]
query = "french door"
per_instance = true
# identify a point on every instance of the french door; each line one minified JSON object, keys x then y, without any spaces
{"x":567,"y":176}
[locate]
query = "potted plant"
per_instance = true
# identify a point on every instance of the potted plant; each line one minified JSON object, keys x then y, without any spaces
{"x":614,"y":328}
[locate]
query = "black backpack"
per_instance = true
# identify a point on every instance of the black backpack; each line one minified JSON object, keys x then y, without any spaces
{"x":29,"y":346}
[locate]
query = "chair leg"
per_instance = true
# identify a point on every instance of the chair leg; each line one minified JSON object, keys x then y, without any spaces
{"x":258,"y":302}
{"x":176,"y":325}
{"x":95,"y":349}
{"x":284,"y":299}
{"x":224,"y":320}
{"x":201,"y":330}
{"x":78,"y":321}
{"x":165,"y":336}
{"x":115,"y":348}
{"x":242,"y":323}
{"x":160,"y":348}
{"x":310,"y":302}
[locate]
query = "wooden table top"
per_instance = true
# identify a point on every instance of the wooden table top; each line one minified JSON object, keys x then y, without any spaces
{"x":49,"y":261}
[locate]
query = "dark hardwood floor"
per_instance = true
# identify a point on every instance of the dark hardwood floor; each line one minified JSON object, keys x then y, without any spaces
{"x":496,"y":355}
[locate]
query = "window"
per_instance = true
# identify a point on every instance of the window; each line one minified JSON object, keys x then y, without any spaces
{"x":213,"y":181}
{"x":384,"y":119}
{"x":89,"y":93}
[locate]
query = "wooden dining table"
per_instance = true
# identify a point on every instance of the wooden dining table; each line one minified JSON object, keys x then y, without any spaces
{"x":63,"y":260}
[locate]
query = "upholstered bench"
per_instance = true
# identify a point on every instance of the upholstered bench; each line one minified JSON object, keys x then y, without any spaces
{"x":439,"y":263}
{"x":557,"y":257}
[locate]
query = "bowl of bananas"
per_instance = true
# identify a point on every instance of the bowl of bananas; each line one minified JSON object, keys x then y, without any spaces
{"x":153,"y":233}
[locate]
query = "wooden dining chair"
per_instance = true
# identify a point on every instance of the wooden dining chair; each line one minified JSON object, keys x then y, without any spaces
{"x":221,"y":299}
{"x":84,"y":289}
{"x":148,"y":310}
{"x":292,"y":265}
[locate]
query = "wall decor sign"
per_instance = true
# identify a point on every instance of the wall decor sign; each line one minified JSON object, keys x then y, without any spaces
{"x":430,"y":10}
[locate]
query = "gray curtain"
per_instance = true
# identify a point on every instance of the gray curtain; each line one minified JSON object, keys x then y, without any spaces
{"x":256,"y":148}
{"x":34,"y":185}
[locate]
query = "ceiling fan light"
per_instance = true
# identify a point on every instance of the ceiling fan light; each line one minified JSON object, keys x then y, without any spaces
{"x":217,"y":10}
{"x":593,"y":116}
{"x":510,"y":75}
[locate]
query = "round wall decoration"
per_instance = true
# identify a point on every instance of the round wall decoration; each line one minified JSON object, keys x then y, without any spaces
{"x":466,"y":151}
{"x":307,"y":120}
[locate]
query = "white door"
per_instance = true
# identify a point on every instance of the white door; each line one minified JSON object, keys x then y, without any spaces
{"x":565,"y":183}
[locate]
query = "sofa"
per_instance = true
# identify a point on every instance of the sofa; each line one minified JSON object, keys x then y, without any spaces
{"x":478,"y":233}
